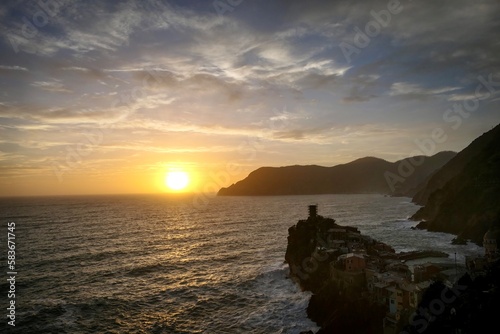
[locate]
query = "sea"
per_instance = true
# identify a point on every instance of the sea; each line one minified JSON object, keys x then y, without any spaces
{"x":175,"y":264}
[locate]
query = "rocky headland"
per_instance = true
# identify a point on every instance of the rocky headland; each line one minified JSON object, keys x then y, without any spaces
{"x":361,"y":285}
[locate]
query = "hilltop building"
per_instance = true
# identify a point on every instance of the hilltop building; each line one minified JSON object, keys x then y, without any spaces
{"x":476,"y":265}
{"x":490,"y":244}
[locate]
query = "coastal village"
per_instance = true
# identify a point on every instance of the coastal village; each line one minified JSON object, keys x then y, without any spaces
{"x":357,"y":265}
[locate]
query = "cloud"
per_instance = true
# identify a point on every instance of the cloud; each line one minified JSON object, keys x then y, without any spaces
{"x":12,"y":68}
{"x":53,"y":86}
{"x":91,"y":73}
{"x":357,"y":97}
{"x":174,"y":77}
{"x":416,"y":91}
{"x":54,"y":115}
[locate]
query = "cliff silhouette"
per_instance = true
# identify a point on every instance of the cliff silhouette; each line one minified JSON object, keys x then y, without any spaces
{"x":365,"y":175}
{"x":462,"y":197}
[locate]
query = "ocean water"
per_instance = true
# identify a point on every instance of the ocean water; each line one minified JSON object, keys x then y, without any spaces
{"x":162,"y":264}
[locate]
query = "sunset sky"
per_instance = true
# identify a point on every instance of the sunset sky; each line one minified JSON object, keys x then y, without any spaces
{"x":108,"y":96}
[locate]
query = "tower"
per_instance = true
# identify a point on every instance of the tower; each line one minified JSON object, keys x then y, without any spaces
{"x":313,"y":211}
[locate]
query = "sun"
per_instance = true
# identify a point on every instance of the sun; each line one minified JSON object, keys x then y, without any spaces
{"x":177,"y":180}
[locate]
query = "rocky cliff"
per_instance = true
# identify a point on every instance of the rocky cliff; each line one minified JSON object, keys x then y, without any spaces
{"x":360,"y":296}
{"x":309,"y":258}
{"x":463,"y":196}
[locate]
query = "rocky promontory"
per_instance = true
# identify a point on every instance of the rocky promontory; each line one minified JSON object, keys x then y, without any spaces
{"x":353,"y":277}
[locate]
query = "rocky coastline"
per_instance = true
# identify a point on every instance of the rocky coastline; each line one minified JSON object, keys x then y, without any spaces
{"x":359,"y":285}
{"x":462,"y":197}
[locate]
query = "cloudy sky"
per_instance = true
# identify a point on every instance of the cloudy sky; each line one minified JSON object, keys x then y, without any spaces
{"x":106,"y":96}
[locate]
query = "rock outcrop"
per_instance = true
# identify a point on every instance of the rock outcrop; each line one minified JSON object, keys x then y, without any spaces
{"x":309,"y":255}
{"x":463,"y":196}
{"x":350,"y":275}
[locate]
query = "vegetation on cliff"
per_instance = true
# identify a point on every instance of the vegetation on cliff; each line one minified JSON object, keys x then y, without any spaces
{"x":462,"y":197}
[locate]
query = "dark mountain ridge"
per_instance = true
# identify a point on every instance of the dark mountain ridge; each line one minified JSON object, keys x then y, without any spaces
{"x":364,"y":175}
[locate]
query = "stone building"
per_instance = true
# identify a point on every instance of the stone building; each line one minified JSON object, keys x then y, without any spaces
{"x":490,"y":244}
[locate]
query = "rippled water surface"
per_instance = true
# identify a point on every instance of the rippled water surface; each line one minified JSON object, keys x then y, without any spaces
{"x":160,"y":264}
